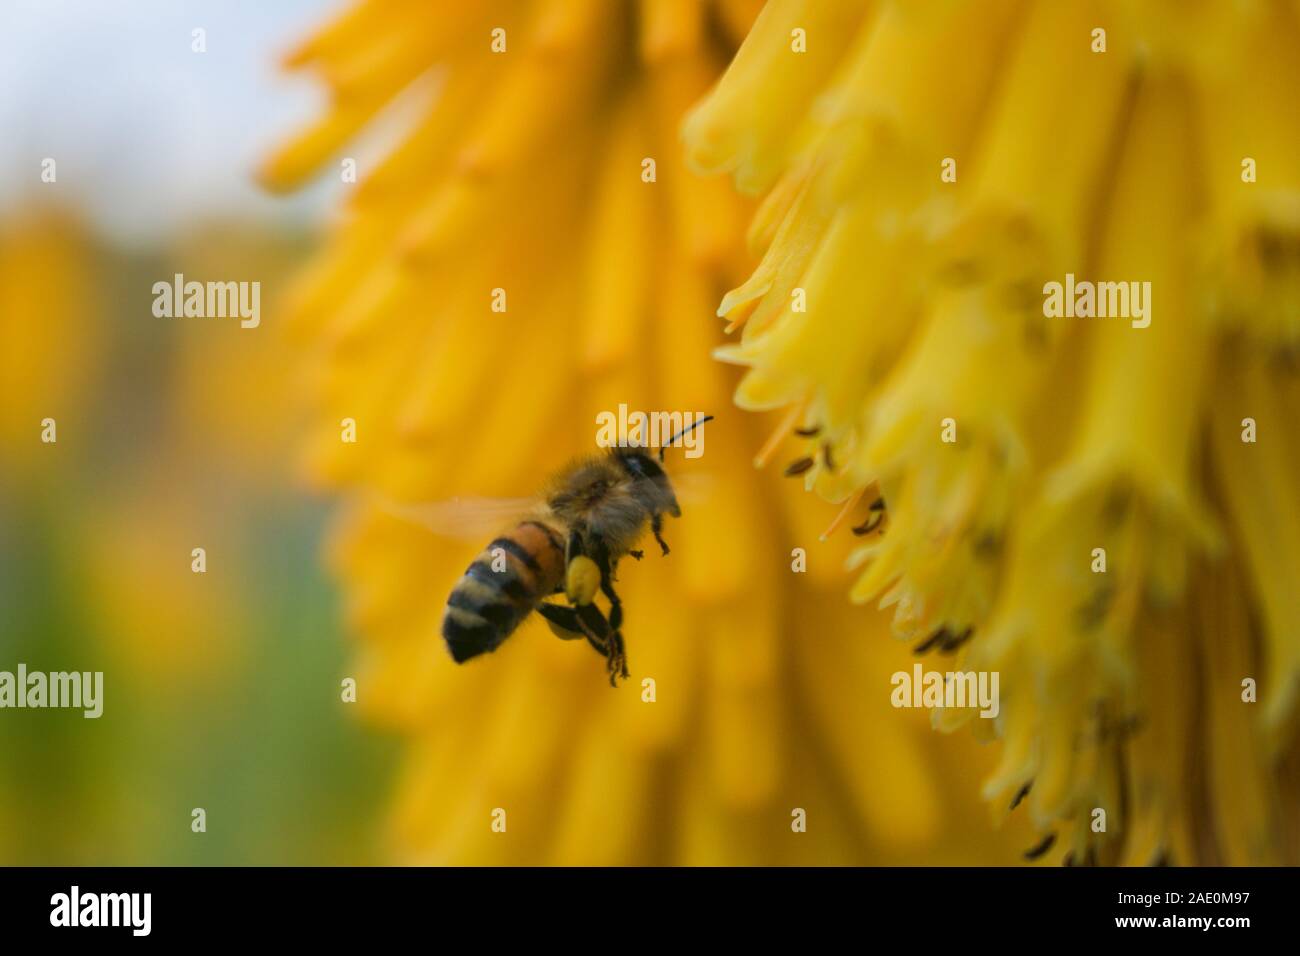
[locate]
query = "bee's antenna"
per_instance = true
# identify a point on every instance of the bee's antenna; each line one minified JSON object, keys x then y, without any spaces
{"x":685,"y":431}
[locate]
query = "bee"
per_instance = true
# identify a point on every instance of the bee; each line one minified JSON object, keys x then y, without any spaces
{"x":590,"y":518}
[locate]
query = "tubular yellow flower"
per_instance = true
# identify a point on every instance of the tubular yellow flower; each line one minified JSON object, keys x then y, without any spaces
{"x":546,"y":179}
{"x":1071,"y":501}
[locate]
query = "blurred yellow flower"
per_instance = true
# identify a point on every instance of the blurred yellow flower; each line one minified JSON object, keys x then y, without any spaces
{"x":1074,"y":501}
{"x":132,"y":534}
{"x":49,"y":343}
{"x":172,"y":628}
{"x":541,"y":172}
{"x":233,"y":395}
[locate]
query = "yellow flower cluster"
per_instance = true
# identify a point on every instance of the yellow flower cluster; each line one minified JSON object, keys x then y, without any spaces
{"x":510,"y":268}
{"x":1103,"y":513}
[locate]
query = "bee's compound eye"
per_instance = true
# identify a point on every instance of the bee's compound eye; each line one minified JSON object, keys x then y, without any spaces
{"x":581,"y":580}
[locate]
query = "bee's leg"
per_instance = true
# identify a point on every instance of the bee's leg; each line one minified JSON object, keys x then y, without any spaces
{"x":657,"y":526}
{"x":598,"y":639}
{"x":617,"y":650}
{"x":615,"y":604}
{"x":563,"y":620}
{"x":574,"y":547}
{"x":617,"y":657}
{"x":594,"y":625}
{"x":585,"y":621}
{"x":637,"y":554}
{"x":607,"y":642}
{"x":571,"y":623}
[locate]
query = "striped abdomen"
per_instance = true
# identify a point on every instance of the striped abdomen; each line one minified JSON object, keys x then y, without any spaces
{"x":487,"y":604}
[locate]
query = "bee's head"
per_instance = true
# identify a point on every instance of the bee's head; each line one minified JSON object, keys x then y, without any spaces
{"x":650,"y":479}
{"x":648,"y":475}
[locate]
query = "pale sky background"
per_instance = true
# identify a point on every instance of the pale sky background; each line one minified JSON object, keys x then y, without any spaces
{"x":148,"y":135}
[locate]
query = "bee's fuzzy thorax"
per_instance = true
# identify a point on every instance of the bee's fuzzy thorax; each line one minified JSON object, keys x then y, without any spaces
{"x":608,"y":497}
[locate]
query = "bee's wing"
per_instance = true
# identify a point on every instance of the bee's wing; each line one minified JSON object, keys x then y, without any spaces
{"x":474,"y":517}
{"x":462,"y":517}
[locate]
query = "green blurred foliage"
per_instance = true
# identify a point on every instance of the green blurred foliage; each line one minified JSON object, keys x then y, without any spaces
{"x":256,"y":733}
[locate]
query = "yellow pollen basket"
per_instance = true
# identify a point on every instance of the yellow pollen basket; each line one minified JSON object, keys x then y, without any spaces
{"x":581,"y":580}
